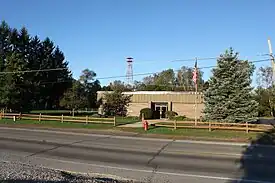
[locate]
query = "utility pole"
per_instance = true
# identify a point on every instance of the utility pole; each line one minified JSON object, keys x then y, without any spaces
{"x":196,"y":89}
{"x":272,"y":60}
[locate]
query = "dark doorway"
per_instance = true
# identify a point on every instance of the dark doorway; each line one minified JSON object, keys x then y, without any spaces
{"x":157,"y":113}
{"x":159,"y":109}
{"x":163,"y":112}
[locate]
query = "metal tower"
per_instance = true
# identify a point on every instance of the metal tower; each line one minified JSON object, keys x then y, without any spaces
{"x":129,"y":73}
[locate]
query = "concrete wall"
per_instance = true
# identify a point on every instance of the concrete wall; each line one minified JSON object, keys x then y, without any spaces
{"x":182,"y":102}
{"x":182,"y":109}
{"x":187,"y":109}
{"x":159,"y":96}
{"x":134,"y":108}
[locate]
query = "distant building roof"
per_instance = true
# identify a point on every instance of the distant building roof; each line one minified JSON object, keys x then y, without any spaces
{"x":153,"y":92}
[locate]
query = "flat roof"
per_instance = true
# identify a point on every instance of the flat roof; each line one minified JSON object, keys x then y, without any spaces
{"x":154,"y":92}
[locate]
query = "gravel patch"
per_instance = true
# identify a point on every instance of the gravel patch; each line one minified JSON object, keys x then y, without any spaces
{"x":14,"y":172}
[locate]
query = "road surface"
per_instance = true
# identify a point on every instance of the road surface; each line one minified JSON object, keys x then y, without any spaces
{"x":142,"y":159}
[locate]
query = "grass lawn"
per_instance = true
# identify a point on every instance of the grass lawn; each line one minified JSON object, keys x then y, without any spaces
{"x":126,"y":120}
{"x":198,"y":133}
{"x":202,"y":134}
{"x":65,"y":112}
{"x":49,"y":111}
{"x":57,"y":124}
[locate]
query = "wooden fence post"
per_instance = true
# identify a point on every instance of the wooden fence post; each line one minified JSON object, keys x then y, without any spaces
{"x":175,"y":124}
{"x":62,"y":118}
{"x":39,"y":117}
{"x":86,"y":120}
{"x":14,"y":118}
{"x":246,"y":127}
{"x":209,"y":126}
{"x":114,"y":120}
{"x":3,"y":113}
{"x":20,"y":116}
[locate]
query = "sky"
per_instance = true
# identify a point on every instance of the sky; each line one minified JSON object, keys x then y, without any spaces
{"x":101,"y":34}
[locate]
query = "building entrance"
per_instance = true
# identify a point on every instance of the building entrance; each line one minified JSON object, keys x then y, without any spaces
{"x":160,"y":109}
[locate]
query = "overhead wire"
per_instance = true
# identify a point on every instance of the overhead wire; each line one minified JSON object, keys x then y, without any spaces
{"x":178,"y":60}
{"x":146,"y":74}
{"x":150,"y":73}
{"x":27,"y":71}
{"x":119,"y":76}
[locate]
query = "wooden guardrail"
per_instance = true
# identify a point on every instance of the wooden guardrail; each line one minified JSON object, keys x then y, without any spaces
{"x":62,"y":118}
{"x":247,"y":127}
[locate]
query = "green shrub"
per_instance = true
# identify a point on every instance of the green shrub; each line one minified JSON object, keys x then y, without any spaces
{"x":181,"y":118}
{"x":148,"y":113}
{"x":99,"y":116}
{"x":171,"y":114}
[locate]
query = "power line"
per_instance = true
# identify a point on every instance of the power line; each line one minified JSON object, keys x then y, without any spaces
{"x":150,"y":73}
{"x":188,"y":60}
{"x":121,"y":76}
{"x":27,"y":71}
{"x":178,"y":60}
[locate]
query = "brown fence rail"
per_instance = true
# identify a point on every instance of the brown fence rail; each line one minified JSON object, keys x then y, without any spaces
{"x":62,"y":118}
{"x":247,"y":127}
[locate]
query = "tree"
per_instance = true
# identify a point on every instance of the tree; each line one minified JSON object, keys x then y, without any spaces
{"x":262,"y":96}
{"x":10,"y":93}
{"x":116,"y":103}
{"x":265,"y":93}
{"x":118,"y":85}
{"x":23,"y":91}
{"x":74,"y":97}
{"x":184,"y":79}
{"x":163,"y":81}
{"x":83,"y":92}
{"x":229,"y":96}
{"x":91,"y":86}
{"x":169,"y":80}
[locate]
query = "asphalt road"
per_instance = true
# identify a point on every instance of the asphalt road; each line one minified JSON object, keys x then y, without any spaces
{"x":142,"y":159}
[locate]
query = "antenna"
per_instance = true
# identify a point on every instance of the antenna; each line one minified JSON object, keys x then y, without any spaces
{"x":129,"y":73}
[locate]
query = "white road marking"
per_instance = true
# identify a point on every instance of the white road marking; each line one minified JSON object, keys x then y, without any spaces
{"x":55,"y":132}
{"x":159,"y":172}
{"x":212,"y":142}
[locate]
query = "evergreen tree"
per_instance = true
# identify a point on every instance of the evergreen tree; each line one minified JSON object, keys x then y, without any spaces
{"x":62,"y":80}
{"x":229,"y":96}
{"x":23,"y":91}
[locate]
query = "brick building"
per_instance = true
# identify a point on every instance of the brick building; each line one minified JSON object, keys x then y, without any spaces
{"x":161,"y":101}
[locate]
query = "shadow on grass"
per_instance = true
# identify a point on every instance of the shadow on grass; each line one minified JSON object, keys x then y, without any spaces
{"x":257,"y":163}
{"x":126,"y":120}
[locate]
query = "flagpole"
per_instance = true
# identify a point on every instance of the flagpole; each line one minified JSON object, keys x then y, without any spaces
{"x":196,"y":93}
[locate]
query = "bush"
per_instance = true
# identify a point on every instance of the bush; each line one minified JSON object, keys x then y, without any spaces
{"x":171,"y":114}
{"x":180,"y":118}
{"x":148,"y":113}
{"x":99,"y":116}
